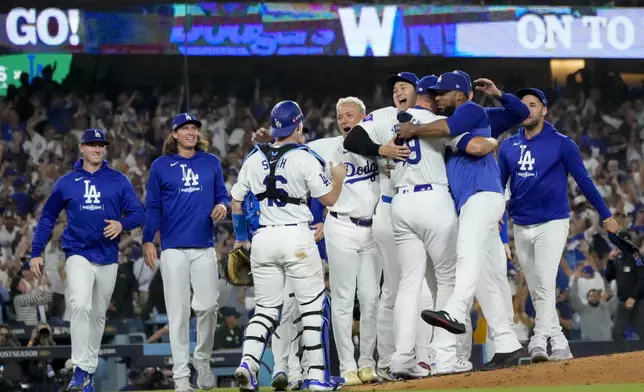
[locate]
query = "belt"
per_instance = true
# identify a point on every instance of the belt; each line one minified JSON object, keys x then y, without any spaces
{"x":287,"y":224}
{"x":386,"y":199}
{"x":356,"y":221}
{"x":415,"y":188}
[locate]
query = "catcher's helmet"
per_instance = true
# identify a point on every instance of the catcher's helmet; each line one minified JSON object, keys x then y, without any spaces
{"x":285,"y":117}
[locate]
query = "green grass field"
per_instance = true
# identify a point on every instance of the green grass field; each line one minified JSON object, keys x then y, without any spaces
{"x":567,"y":388}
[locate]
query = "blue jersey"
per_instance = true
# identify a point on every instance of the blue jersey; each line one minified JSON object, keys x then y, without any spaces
{"x":469,"y":174}
{"x":89,"y":199}
{"x":182,"y":192}
{"x":538,"y":171}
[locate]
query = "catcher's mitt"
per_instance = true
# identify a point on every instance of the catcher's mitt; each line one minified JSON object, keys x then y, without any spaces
{"x":236,"y":266}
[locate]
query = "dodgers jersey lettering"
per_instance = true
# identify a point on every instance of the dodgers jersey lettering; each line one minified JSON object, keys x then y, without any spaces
{"x":426,"y":164}
{"x":182,"y":192}
{"x":89,"y":199}
{"x":298,"y":172}
{"x":469,"y":174}
{"x":361,"y":189}
{"x":381,"y":125}
{"x":538,"y":172}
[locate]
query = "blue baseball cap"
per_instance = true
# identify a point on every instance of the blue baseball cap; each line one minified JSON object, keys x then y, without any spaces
{"x":94,"y":135}
{"x":183,"y":119}
{"x":453,"y":81}
{"x":467,"y":76}
{"x":285,"y":117}
{"x":425,"y":84}
{"x":408,"y":77}
{"x":520,"y":93}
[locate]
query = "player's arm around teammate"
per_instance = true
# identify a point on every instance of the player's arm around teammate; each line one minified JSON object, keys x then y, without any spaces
{"x":283,"y":214}
{"x":100,"y":203}
{"x":186,"y":192}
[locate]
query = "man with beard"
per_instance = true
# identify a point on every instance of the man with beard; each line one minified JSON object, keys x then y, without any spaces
{"x":537,"y":161}
{"x":474,"y":183}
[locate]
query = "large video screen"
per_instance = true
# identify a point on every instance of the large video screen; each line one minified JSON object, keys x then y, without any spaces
{"x":288,"y":29}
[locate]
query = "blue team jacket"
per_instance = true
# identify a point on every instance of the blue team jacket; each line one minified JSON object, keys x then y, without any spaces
{"x":89,"y":199}
{"x":181,"y":195}
{"x":538,"y":171}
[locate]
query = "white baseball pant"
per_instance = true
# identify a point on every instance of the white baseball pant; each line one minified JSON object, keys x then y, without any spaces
{"x":424,"y":223}
{"x":353,"y":257}
{"x":181,"y":269}
{"x":539,"y":249}
{"x":384,"y":235}
{"x":477,"y":228}
{"x":272,"y":261}
{"x":493,"y":289}
{"x":90,"y":290}
{"x":285,"y":340}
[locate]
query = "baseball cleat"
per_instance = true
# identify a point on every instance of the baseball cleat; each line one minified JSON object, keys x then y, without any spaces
{"x":503,"y":360}
{"x":295,"y":385}
{"x":367,"y":375}
{"x":411,"y":373}
{"x":89,"y":387}
{"x":80,"y":379}
{"x":205,"y":378}
{"x":458,"y":366}
{"x":443,"y":320}
{"x":385,"y":374}
{"x":539,"y":354}
{"x":183,"y":385}
{"x":280,"y":382}
{"x":561,"y":354}
{"x":317,"y":385}
{"x":245,"y":378}
{"x":351,"y":378}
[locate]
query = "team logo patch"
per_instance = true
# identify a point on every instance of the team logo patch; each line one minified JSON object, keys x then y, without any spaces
{"x":368,"y":118}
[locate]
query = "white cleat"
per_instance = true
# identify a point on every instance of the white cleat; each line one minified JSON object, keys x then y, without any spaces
{"x":411,"y":373}
{"x":458,"y":366}
{"x":183,"y":385}
{"x":561,"y":355}
{"x":205,"y":378}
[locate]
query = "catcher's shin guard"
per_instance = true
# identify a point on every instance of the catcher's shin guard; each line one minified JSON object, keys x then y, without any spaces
{"x":315,"y":336}
{"x":260,"y":327}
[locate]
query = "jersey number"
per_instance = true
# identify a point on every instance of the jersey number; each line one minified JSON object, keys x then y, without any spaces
{"x":278,"y":180}
{"x":414,"y":147}
{"x":525,"y":160}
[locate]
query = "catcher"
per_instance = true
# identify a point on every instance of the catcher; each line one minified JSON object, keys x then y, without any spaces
{"x":281,"y":177}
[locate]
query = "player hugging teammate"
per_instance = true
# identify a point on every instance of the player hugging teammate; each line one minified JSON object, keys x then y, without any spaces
{"x":425,"y":163}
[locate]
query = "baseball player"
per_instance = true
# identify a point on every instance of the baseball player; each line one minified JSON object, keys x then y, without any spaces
{"x":473,"y":179}
{"x":185,"y":194}
{"x":349,"y":241}
{"x":281,"y":177}
{"x":380,"y":125}
{"x":100,"y":203}
{"x":513,"y":112}
{"x":285,"y":343}
{"x":353,"y":254}
{"x":537,"y":161}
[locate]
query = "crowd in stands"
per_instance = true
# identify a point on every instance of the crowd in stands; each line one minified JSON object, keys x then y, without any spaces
{"x":40,"y":123}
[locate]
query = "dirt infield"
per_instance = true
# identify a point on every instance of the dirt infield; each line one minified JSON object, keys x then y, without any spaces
{"x":609,"y":369}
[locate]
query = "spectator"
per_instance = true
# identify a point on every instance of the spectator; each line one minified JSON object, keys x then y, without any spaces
{"x":229,"y":334}
{"x":6,"y":337}
{"x":54,"y":269}
{"x":595,"y":315}
{"x":28,"y":301}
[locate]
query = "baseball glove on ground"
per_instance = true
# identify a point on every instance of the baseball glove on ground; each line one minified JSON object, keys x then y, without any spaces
{"x":236,"y":266}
